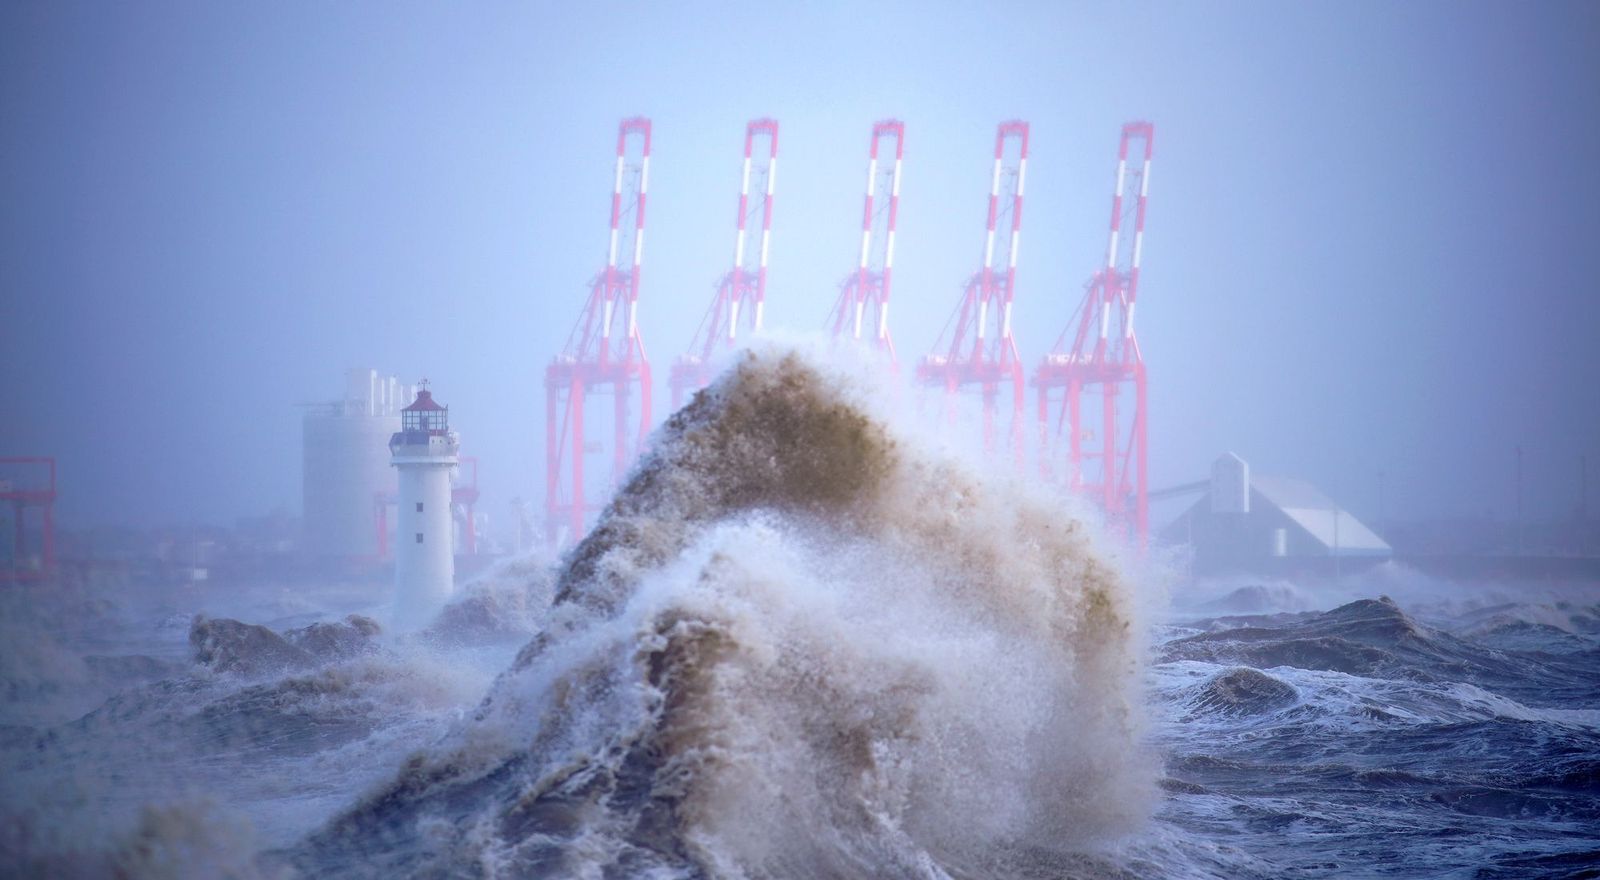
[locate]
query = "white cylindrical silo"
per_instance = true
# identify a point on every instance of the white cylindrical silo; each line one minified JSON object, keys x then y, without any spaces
{"x":344,"y":470}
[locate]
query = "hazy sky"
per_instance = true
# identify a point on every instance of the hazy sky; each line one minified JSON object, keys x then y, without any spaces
{"x":1371,"y":241}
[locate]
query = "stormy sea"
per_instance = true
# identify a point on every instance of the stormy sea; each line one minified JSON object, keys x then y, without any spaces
{"x":805,"y":642}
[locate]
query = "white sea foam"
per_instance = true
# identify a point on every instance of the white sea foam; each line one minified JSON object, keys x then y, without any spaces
{"x":797,"y":643}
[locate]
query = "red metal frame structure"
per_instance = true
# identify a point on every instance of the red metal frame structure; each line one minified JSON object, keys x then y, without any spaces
{"x":604,"y":349}
{"x":22,"y":497}
{"x":464,"y":495}
{"x":977,"y":353}
{"x":1103,"y":461}
{"x":869,"y":284}
{"x":720,"y":327}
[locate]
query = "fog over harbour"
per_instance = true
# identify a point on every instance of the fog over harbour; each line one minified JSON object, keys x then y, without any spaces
{"x":1368,"y":242}
{"x":315,"y":563}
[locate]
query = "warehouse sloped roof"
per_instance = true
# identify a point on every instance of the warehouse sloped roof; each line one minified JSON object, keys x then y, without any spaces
{"x":1319,"y":515}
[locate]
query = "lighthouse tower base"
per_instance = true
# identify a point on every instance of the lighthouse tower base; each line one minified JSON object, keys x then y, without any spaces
{"x":424,"y":558}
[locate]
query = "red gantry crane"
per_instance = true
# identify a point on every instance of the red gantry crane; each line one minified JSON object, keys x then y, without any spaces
{"x":464,"y":499}
{"x":863,"y":305}
{"x":29,"y":482}
{"x":719,"y":330}
{"x":1105,"y":456}
{"x":981,"y":350}
{"x":603,"y":351}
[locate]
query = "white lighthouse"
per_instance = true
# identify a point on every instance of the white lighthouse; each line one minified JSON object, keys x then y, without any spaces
{"x":424,"y":453}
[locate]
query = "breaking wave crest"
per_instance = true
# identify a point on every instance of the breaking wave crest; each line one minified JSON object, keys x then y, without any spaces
{"x":795,"y":645}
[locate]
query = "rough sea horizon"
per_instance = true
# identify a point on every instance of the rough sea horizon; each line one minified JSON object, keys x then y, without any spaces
{"x":802,"y":643}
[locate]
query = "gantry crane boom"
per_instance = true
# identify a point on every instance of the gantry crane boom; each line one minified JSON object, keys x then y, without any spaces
{"x":1105,"y":458}
{"x":977,"y":349}
{"x":862,"y":310}
{"x":742,"y":292}
{"x":604,"y":350}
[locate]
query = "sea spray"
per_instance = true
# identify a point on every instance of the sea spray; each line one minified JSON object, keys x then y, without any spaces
{"x":794,"y":645}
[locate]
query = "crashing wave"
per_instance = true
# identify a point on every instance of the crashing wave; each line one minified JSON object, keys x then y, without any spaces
{"x":223,"y":644}
{"x":1244,"y":691}
{"x":793,"y":645}
{"x":504,"y":606}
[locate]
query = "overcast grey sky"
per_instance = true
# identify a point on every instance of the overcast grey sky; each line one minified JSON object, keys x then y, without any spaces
{"x":1370,"y":243}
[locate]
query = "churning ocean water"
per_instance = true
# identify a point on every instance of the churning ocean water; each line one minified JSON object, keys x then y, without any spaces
{"x":801,"y":643}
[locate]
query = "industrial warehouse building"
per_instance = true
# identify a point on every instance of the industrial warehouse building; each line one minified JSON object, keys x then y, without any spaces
{"x":1264,"y":524}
